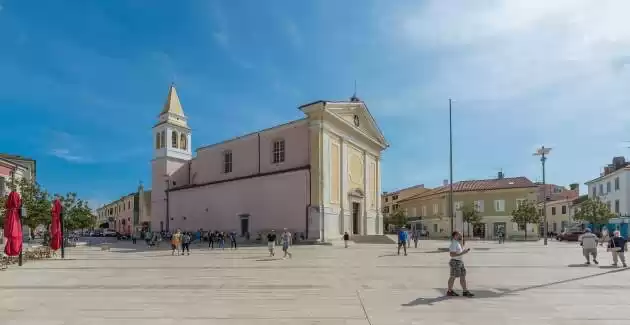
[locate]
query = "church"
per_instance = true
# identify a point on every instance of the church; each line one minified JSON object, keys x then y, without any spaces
{"x":319,"y":176}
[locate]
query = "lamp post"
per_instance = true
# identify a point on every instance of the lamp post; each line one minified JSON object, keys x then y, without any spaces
{"x":543,"y":152}
{"x":63,"y":238}
{"x":22,"y":216}
{"x":450,"y":145}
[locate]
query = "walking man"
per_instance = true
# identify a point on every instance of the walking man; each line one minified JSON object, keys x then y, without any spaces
{"x":617,"y":246}
{"x":233,"y":240}
{"x":588,"y":241}
{"x":414,"y":237}
{"x":271,"y":243}
{"x":402,"y":240}
{"x":456,"y":264}
{"x":186,"y":239}
{"x":286,"y":243}
{"x":346,"y":238}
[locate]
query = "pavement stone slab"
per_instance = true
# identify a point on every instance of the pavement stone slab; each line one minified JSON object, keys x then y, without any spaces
{"x":514,"y":283}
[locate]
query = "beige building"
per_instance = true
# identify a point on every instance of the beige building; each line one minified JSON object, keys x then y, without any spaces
{"x":13,"y":168}
{"x":130,"y":212}
{"x":495,"y":200}
{"x":559,"y":214}
{"x":389,"y":200}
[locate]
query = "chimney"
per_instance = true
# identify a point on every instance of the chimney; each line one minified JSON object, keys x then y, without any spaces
{"x":445,"y":182}
{"x":500,"y":175}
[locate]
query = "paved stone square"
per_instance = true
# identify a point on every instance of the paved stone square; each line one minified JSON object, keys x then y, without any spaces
{"x":515,"y":283}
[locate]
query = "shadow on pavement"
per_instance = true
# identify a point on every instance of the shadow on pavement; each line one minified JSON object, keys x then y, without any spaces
{"x":578,"y":265}
{"x":500,"y":292}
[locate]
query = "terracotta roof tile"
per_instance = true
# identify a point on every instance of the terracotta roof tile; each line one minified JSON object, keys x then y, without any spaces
{"x":480,"y":185}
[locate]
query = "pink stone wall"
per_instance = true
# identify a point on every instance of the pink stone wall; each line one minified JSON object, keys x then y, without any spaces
{"x":273,"y":202}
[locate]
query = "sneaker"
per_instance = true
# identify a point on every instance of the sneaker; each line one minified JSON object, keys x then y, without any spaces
{"x":625,"y":265}
{"x":614,"y":265}
{"x":595,"y":261}
{"x":451,"y":293}
{"x":587,"y":263}
{"x":467,"y":294}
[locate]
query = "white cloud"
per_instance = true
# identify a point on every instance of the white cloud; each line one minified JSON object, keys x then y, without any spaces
{"x":294,"y":35}
{"x":65,"y":154}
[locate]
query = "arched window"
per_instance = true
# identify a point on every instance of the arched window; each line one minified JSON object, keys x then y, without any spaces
{"x":162,"y":139}
{"x":174,"y":139}
{"x":157,"y":141}
{"x":183,"y":142}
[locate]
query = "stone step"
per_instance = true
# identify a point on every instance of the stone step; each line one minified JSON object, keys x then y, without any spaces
{"x":372,"y":239}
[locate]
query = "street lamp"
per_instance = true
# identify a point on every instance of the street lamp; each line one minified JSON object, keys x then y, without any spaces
{"x":166,"y":189}
{"x":450,"y":144}
{"x":543,"y":152}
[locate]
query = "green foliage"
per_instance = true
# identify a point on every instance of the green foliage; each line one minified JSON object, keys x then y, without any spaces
{"x":398,"y":218}
{"x":594,"y":211}
{"x":526,"y":213}
{"x":76,"y":213}
{"x":471,"y":215}
{"x":34,"y":198}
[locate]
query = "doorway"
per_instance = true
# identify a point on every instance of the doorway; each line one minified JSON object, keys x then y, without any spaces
{"x":499,"y":226}
{"x":244,"y":224}
{"x":355,"y":218}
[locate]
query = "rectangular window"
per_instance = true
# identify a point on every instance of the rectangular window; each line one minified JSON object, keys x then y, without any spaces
{"x":227,"y":162}
{"x":386,"y":199}
{"x":608,"y":205}
{"x":616,"y":183}
{"x":458,"y":205}
{"x":608,"y":188}
{"x":521,"y":227}
{"x":594,"y":191}
{"x":424,"y":210}
{"x":395,"y":197}
{"x":601,"y":189}
{"x":499,"y":205}
{"x":414,"y":212}
{"x":519,"y":202}
{"x":385,"y":209}
{"x":436,"y":208}
{"x":553,"y":211}
{"x":395,"y":207}
{"x":564,"y":209}
{"x":617,"y":206}
{"x":435,"y":228}
{"x":278,"y":151}
{"x":479,"y":206}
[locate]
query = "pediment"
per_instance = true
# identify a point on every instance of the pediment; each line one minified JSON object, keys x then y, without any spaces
{"x":356,"y":115}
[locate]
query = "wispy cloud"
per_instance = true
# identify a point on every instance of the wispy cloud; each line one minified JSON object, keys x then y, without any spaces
{"x":65,"y":154}
{"x":294,"y":34}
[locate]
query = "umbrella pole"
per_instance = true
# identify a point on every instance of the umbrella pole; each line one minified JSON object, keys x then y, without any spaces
{"x":63,"y":239}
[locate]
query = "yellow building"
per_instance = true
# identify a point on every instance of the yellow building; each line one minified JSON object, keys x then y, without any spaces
{"x":389,"y":200}
{"x":559,"y":214}
{"x":495,"y":199}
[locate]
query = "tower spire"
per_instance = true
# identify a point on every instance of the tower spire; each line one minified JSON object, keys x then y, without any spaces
{"x":172,"y":104}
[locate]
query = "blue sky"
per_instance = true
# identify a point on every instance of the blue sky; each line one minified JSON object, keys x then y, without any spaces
{"x":82,"y":81}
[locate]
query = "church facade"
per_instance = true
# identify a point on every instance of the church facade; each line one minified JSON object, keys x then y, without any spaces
{"x":318,"y":176}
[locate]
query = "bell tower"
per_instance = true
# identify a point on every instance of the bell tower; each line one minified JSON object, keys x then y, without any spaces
{"x":171,"y":153}
{"x":171,"y":134}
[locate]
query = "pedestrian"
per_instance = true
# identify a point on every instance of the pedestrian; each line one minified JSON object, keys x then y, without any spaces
{"x":456,"y":265}
{"x":589,"y":242}
{"x":414,"y":237}
{"x":211,"y":239}
{"x":617,"y":246}
{"x":346,"y":238}
{"x":501,"y":236}
{"x":133,"y":237}
{"x":402,"y":240}
{"x":221,"y":238}
{"x":286,"y":243}
{"x":233,"y":240}
{"x":186,"y":239}
{"x":605,"y":237}
{"x":176,"y":241}
{"x":271,"y":243}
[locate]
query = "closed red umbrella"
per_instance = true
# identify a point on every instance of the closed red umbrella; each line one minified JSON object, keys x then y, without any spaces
{"x":55,"y":226}
{"x":12,"y":227}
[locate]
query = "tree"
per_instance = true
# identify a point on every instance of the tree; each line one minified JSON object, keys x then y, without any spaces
{"x":399,"y":218}
{"x":76,"y":213}
{"x":471,"y":215}
{"x":526,"y":213}
{"x":594,"y":211}
{"x":34,"y":198}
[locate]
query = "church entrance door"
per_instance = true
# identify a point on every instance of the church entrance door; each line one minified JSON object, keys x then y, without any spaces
{"x":355,"y":217}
